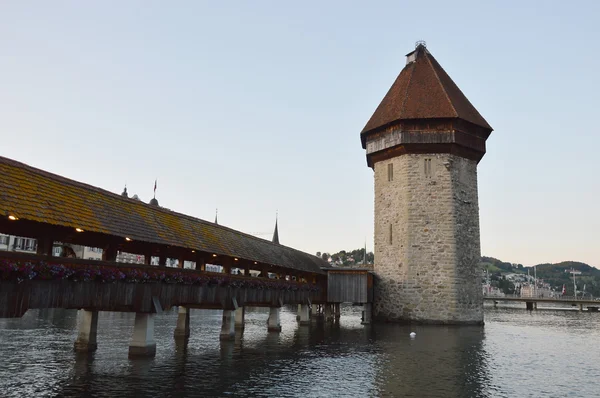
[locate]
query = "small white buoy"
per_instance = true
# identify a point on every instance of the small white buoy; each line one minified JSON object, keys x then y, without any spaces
{"x":413,"y":335}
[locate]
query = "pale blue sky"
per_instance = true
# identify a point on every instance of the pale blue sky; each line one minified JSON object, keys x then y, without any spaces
{"x":254,"y":106}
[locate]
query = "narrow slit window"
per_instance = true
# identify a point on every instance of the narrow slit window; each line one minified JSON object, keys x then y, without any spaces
{"x":391,"y":241}
{"x":390,"y":172}
{"x":427,"y":167}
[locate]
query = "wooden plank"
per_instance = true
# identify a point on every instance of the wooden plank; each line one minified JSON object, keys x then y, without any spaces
{"x":347,"y":287}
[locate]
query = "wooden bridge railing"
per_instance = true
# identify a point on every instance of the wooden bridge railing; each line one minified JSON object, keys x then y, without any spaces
{"x":32,"y":281}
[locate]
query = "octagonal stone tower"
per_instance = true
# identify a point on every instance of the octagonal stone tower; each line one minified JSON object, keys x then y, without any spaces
{"x":424,"y":142}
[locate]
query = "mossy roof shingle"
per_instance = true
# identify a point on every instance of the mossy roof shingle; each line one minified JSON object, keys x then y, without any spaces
{"x":36,"y":195}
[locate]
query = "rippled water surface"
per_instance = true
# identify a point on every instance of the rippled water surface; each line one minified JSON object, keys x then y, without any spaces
{"x":516,"y":354}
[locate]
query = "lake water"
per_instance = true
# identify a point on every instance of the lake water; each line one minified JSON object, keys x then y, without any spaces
{"x":516,"y":354}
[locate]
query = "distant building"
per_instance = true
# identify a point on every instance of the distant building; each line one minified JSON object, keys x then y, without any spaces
{"x":492,"y":291}
{"x":89,"y":253}
{"x":18,"y":244}
{"x":24,"y":245}
{"x":29,"y":245}
{"x":541,"y":291}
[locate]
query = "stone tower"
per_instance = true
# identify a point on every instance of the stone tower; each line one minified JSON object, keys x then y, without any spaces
{"x":424,"y":142}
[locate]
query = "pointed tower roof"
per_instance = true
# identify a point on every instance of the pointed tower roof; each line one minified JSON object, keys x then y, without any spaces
{"x":422,"y":90}
{"x":216,"y":214}
{"x":276,"y":233}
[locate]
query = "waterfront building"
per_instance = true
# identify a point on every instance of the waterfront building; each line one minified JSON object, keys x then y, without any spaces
{"x":543,"y":290}
{"x":424,"y":142}
{"x":24,"y":245}
{"x":492,"y":291}
{"x":18,"y":244}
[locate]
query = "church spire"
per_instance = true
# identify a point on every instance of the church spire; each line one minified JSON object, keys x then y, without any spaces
{"x":276,"y":232}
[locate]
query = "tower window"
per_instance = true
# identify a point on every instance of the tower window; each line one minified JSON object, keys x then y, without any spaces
{"x":391,"y":241}
{"x":390,"y":172}
{"x":427,"y":167}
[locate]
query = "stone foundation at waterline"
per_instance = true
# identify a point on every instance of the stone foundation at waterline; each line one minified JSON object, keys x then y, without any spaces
{"x":427,"y":247}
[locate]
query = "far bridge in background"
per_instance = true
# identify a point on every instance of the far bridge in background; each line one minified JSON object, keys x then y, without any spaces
{"x":531,"y":303}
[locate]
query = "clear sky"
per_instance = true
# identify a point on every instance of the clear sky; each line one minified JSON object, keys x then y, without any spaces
{"x":256,"y":106}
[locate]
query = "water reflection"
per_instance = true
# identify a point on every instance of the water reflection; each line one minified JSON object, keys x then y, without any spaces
{"x":321,"y":359}
{"x":444,"y":361}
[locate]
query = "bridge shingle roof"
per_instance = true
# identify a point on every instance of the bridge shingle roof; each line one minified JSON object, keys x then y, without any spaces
{"x":36,"y":195}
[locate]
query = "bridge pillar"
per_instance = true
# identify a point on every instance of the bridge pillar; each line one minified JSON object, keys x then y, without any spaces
{"x":304,"y":314}
{"x":142,"y":343}
{"x":298,"y":314}
{"x":535,"y":305}
{"x":529,"y":305}
{"x":366,"y":314}
{"x":87,"y":322}
{"x":328,"y":313}
{"x":580,"y":307}
{"x":337,"y":311}
{"x":240,"y":315}
{"x":273,"y":323}
{"x":228,"y":325}
{"x":321,"y":311}
{"x":182,"y":330}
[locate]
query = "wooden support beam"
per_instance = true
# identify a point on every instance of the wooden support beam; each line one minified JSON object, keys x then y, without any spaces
{"x":148,"y":257}
{"x":200,"y":262}
{"x":226,"y":265}
{"x":265,"y":271}
{"x":109,"y":253}
{"x":45,"y":246}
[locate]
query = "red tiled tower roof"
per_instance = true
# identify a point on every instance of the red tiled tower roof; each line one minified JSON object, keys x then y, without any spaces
{"x":422,"y":90}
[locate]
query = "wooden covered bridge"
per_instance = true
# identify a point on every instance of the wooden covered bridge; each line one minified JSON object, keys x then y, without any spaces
{"x":49,"y":208}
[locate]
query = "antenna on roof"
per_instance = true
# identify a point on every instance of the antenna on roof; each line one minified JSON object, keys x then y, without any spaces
{"x":216,"y":214}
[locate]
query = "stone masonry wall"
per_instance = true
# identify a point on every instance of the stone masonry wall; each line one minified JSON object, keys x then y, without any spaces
{"x":427,"y":264}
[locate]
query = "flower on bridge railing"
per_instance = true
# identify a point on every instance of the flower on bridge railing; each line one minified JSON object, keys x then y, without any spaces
{"x":136,"y":276}
{"x":16,"y":270}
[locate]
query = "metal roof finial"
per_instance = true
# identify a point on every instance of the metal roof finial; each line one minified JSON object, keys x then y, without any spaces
{"x":420,"y":43}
